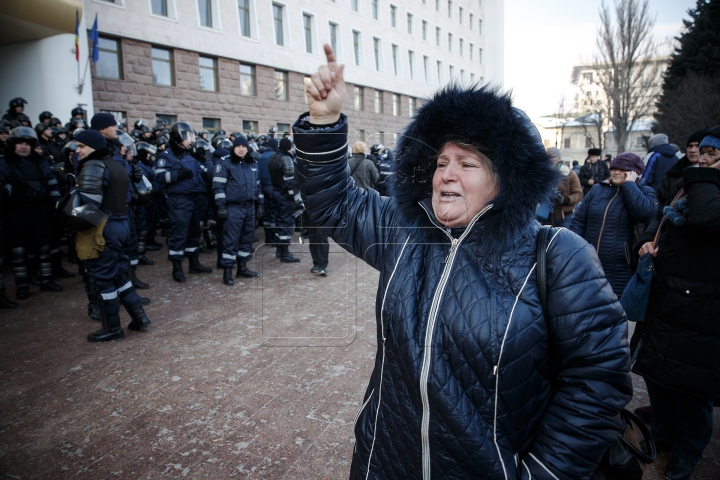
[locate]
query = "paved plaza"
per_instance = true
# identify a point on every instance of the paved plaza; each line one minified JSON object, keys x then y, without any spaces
{"x":261,"y":380}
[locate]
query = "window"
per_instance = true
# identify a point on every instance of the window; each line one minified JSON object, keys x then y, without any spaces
{"x":450,"y":42}
{"x":470,"y":50}
{"x":244,"y":15}
{"x":396,"y":104}
{"x":357,"y":48}
{"x":247,"y":80}
{"x":334,"y":36}
{"x":437,"y":36}
{"x":393,"y":16}
{"x":462,"y":75}
{"x":411,"y":64}
{"x":162,"y":66}
{"x":109,"y":64}
{"x":460,"y":15}
{"x":166,"y":119}
{"x":412,"y":105}
{"x":480,"y":26}
{"x":281,"y":82}
{"x":379,"y":137}
{"x":378,"y":101}
{"x":159,"y":7}
{"x":360,"y":136}
{"x":439,"y":72}
{"x":278,"y":14}
{"x":377,"y":50}
{"x":396,"y":60}
{"x":567,"y":142}
{"x":472,"y":78}
{"x":426,"y":68}
{"x":283,"y":128}
{"x":409,"y":23}
{"x":424,"y":30}
{"x":480,"y":56}
{"x":471,"y":21}
{"x":359,"y":98}
{"x":208,"y":73}
{"x":640,"y":141}
{"x":374,"y":9}
{"x":461,"y":44}
{"x":452,"y":72}
{"x":206,"y":13}
{"x":588,"y":142}
{"x":587,"y":78}
{"x":437,"y":5}
{"x":354,"y":5}
{"x":308,"y":22}
{"x":250,"y":126}
{"x":449,"y":8}
{"x":212,"y":125}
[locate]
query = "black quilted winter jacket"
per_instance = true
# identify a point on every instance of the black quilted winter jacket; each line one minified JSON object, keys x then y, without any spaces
{"x":462,"y":385}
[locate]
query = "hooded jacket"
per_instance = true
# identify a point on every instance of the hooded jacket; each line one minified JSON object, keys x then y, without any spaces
{"x":661,"y":159}
{"x":363,"y":171}
{"x":462,"y":385}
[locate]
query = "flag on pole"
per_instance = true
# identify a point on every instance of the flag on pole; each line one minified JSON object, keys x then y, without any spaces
{"x":77,"y":35}
{"x":95,"y":39}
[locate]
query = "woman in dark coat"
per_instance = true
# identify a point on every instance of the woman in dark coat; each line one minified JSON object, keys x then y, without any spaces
{"x":680,"y":352}
{"x":608,"y":213}
{"x":462,"y":385}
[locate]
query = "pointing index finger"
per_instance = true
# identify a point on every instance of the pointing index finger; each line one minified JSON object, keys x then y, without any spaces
{"x":330,"y":55}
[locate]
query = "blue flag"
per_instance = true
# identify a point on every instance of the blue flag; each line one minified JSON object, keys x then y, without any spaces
{"x":94,"y":39}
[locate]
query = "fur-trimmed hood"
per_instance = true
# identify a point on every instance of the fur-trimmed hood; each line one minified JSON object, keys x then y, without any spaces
{"x":485,"y":118}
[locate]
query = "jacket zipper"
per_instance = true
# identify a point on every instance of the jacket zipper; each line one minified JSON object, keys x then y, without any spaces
{"x":432,"y":317}
{"x":604,"y":218}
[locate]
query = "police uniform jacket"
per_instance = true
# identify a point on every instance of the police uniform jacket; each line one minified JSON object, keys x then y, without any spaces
{"x":236,"y":182}
{"x":167,"y":166}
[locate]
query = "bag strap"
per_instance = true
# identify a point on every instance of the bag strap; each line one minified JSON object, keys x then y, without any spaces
{"x":543,"y":240}
{"x":662,"y":222}
{"x":634,"y":421}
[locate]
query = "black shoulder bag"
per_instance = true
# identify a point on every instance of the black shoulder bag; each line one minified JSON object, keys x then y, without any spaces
{"x":625,"y":459}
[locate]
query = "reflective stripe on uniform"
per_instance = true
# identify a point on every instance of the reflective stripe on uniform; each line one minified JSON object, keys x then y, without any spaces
{"x":175,"y":252}
{"x":243,"y":254}
{"x":125,"y":287}
{"x":227,"y":256}
{"x":219,"y":195}
{"x":192,"y":249}
{"x":109,"y":296}
{"x":220,"y":179}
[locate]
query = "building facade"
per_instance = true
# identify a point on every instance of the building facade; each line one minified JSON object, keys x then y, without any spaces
{"x":240,"y":65}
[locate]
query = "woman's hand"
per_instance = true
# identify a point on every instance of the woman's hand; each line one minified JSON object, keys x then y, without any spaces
{"x":325,"y":91}
{"x":648,"y":248}
{"x":631,"y":176}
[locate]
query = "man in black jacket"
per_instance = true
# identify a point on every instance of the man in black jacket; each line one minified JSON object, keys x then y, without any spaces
{"x":593,"y":171}
{"x":282,"y":174}
{"x":659,"y":160}
{"x":669,"y":185}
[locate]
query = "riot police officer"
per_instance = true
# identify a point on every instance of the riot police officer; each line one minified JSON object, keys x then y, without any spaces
{"x":30,"y":189}
{"x":236,"y":190}
{"x":16,"y":107}
{"x":103,"y":182}
{"x":202,"y":151}
{"x":182,"y":176}
{"x":282,"y":174}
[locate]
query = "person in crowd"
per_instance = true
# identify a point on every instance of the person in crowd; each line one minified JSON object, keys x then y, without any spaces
{"x":4,"y":301}
{"x":46,"y":117}
{"x":462,"y":384}
{"x":77,"y":119}
{"x":568,"y":189}
{"x":669,"y":185}
{"x":593,"y":172}
{"x":236,"y":191}
{"x":576,"y":168}
{"x":609,"y":215}
{"x":282,"y":174}
{"x":678,"y":354}
{"x":30,"y":190}
{"x":202,"y":152}
{"x":607,"y":159}
{"x":219,"y":156}
{"x":16,"y":107}
{"x":183,"y":179}
{"x":103,"y":182}
{"x":362,"y":169}
{"x":4,"y":135}
{"x":659,"y":160}
{"x":268,"y":148}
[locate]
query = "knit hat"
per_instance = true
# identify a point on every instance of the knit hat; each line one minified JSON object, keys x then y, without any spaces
{"x":554,"y":153}
{"x":594,"y":152}
{"x":659,"y":139}
{"x":628,"y":162}
{"x":241,"y":140}
{"x":286,"y":144}
{"x":102,"y":120}
{"x":696,"y":136}
{"x":91,"y":138}
{"x":711,"y":138}
{"x":359,"y":147}
{"x":272,"y":143}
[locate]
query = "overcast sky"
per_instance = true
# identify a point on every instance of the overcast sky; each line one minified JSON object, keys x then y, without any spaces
{"x":544,"y":39}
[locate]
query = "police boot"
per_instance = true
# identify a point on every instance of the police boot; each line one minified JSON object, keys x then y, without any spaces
{"x":58,"y":269}
{"x":4,"y":301}
{"x":197,"y":267}
{"x":93,"y":310}
{"x":209,"y":244}
{"x":278,"y":251}
{"x":228,"y":277}
{"x":245,"y":272}
{"x":20,"y":271}
{"x":136,"y":282}
{"x":177,"y":271}
{"x":286,"y":256}
{"x":46,"y":271}
{"x":145,"y":261}
{"x":152,"y":244}
{"x":139,"y":319}
{"x":110,"y":319}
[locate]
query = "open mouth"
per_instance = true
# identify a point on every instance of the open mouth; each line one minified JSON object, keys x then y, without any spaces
{"x":450,"y":195}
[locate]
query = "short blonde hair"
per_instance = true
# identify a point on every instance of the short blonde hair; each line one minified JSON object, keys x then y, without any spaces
{"x":359,"y":147}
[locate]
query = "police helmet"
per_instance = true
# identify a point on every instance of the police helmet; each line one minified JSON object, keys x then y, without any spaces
{"x":181,"y":131}
{"x":235,"y":134}
{"x":4,"y":129}
{"x":77,"y":217}
{"x":17,"y":102}
{"x":225,"y":143}
{"x":251,"y":136}
{"x":22,"y":134}
{"x":201,"y":147}
{"x":140,"y":124}
{"x":203,"y":132}
{"x":77,"y":123}
{"x":215,"y":140}
{"x":125,"y":140}
{"x":261,"y":140}
{"x":45,"y":115}
{"x":145,"y":150}
{"x":56,"y":122}
{"x":136,"y":134}
{"x":377,"y":149}
{"x":161,"y":140}
{"x":22,"y":118}
{"x":69,"y":147}
{"x":77,"y":111}
{"x":76,"y":131}
{"x":40,"y":128}
{"x":272,"y":131}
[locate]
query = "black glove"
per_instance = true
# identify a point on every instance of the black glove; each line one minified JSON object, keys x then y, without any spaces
{"x":137,"y":173}
{"x":184,"y":173}
{"x":298,"y":209}
{"x":222,"y":213}
{"x":260,"y":212}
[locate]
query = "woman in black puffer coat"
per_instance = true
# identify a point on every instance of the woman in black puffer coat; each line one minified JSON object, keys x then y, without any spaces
{"x":607,"y":216}
{"x":463,"y":386}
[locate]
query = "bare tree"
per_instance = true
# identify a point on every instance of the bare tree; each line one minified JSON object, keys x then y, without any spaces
{"x":626,"y":68}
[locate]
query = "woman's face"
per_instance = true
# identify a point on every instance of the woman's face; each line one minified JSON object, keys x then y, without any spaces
{"x":462,"y":186}
{"x":709,"y":156}
{"x":617,"y":176}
